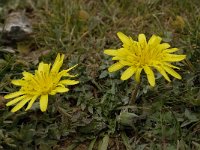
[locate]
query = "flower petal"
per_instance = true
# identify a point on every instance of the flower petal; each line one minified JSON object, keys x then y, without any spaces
{"x":123,"y":52}
{"x":61,"y":89}
{"x":137,"y":74}
{"x":174,"y":58}
{"x":15,"y":100}
{"x":116,"y":58}
{"x":163,"y":46}
{"x":58,"y":63}
{"x":43,"y":102}
{"x":154,"y":40}
{"x":110,"y":52}
{"x":18,"y":82}
{"x":170,"y":65}
{"x":69,"y":75}
{"x":14,"y":94}
{"x":65,"y":73}
{"x":171,"y":50}
{"x":41,"y":67}
{"x":125,"y":39}
{"x":27,"y":75}
{"x":115,"y":67}
{"x":20,"y":104}
{"x":142,"y":40}
{"x":126,"y":63}
{"x":44,"y":68}
{"x":71,"y":68}
{"x":31,"y":102}
{"x":128,"y":73}
{"x":172,"y":72}
{"x":150,"y":75}
{"x":162,"y":72}
{"x":69,"y":82}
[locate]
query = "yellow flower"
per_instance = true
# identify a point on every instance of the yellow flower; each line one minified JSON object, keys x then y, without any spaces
{"x":142,"y":55}
{"x":46,"y":81}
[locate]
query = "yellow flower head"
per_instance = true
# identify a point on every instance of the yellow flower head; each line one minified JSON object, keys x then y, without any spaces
{"x":142,"y":55}
{"x":46,"y":81}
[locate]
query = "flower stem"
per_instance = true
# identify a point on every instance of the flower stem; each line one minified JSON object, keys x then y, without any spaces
{"x":134,"y":94}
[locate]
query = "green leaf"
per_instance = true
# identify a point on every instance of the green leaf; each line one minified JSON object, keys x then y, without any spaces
{"x":72,"y":146}
{"x":103,"y":74}
{"x":92,"y":144}
{"x":127,"y":119}
{"x":126,"y":141}
{"x":103,"y":145}
{"x":190,"y":115}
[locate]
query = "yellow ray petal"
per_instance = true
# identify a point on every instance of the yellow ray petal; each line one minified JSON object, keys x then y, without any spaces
{"x":31,"y":102}
{"x":122,"y":53}
{"x":174,"y":58}
{"x":61,"y":85}
{"x":27,"y":75}
{"x":18,"y":82}
{"x":44,"y":68}
{"x":137,"y":74}
{"x":115,"y":67}
{"x":64,"y":73}
{"x":126,"y":63}
{"x":40,"y":67}
{"x":154,"y":40}
{"x":162,"y":72}
{"x":150,"y":75}
{"x":61,"y":89}
{"x":69,"y":82}
{"x":116,"y":58}
{"x":131,"y":43}
{"x":110,"y":52}
{"x":171,"y":50}
{"x":170,"y":65}
{"x":139,"y":49}
{"x":69,"y":75}
{"x":43,"y":103}
{"x":128,"y":73}
{"x":71,"y":68}
{"x":172,"y":72}
{"x":12,"y":95}
{"x":15,"y":100}
{"x":39,"y":77}
{"x":163,"y":46}
{"x":20,"y":104}
{"x":125,"y":39}
{"x":142,"y":40}
{"x":58,"y":63}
